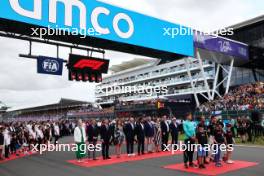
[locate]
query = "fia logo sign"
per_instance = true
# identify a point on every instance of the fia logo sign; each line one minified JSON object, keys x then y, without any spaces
{"x":51,"y":66}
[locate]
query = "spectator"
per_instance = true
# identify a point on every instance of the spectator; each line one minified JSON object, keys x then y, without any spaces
{"x":140,"y":133}
{"x":149,"y":131}
{"x":1,"y":142}
{"x":119,"y":137}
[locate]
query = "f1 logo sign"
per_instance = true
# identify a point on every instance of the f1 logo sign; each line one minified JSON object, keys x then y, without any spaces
{"x":93,"y":64}
{"x":87,"y":63}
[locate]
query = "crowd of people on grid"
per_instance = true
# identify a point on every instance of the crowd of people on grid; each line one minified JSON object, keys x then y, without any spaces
{"x":245,"y":97}
{"x":17,"y":138}
{"x":148,"y":133}
{"x":152,"y":135}
{"x":213,"y":134}
{"x":145,"y":134}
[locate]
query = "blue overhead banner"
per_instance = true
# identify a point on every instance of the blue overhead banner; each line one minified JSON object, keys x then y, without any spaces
{"x":101,"y":21}
{"x":49,"y":65}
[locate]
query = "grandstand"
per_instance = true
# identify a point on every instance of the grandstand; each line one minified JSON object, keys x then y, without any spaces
{"x":65,"y":108}
{"x":176,"y":76}
{"x":3,"y":109}
{"x":152,"y":73}
{"x":240,"y":101}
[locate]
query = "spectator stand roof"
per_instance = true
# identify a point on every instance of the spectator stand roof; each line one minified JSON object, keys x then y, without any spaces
{"x":62,"y":104}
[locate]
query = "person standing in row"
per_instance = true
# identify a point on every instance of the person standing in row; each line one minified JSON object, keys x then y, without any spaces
{"x":210,"y":132}
{"x":189,"y":131}
{"x":229,"y":140}
{"x":202,"y":140}
{"x":92,"y":133}
{"x":165,"y":129}
{"x":7,"y":141}
{"x":56,"y":133}
{"x":140,"y":133}
{"x":80,"y":139}
{"x":157,"y":135}
{"x":174,"y":131}
{"x":119,"y":137}
{"x":218,"y":140}
{"x":129,"y":131}
{"x":149,"y":132}
{"x":106,"y":135}
{"x":1,"y":143}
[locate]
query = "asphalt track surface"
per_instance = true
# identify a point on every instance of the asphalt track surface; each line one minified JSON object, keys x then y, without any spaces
{"x":55,"y":164}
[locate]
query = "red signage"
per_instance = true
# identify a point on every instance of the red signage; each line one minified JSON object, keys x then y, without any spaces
{"x":87,"y":64}
{"x":93,"y":64}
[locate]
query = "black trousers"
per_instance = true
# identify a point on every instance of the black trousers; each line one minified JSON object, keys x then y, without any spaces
{"x":141,"y":146}
{"x":7,"y":150}
{"x":89,"y":152}
{"x":105,"y":150}
{"x":249,"y":132}
{"x":56,"y":139}
{"x":1,"y":157}
{"x":174,"y":139}
{"x":188,"y":153}
{"x":130,"y":146}
{"x":164,"y":140}
{"x":13,"y":147}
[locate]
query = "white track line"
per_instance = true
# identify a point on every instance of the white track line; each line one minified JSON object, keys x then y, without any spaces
{"x":250,"y":146}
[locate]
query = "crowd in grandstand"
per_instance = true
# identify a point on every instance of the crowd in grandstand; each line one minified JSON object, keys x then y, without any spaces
{"x":245,"y":97}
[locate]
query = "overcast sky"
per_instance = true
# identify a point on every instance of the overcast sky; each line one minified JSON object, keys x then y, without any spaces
{"x":20,"y":86}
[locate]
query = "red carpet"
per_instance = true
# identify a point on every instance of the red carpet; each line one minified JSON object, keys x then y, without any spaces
{"x":114,"y":160}
{"x":211,"y":169}
{"x":13,"y":157}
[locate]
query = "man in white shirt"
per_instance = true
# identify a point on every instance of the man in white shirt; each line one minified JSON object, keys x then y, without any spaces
{"x":7,"y":141}
{"x":39,"y":135}
{"x":164,"y":132}
{"x":80,"y":139}
{"x":56,"y":133}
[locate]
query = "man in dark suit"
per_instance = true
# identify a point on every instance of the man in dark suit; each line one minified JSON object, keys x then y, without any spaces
{"x":149,"y":132}
{"x":140,"y":133}
{"x":129,"y":130}
{"x":1,"y":142}
{"x":174,"y":131}
{"x":92,"y":132}
{"x":165,"y":129}
{"x":106,"y":134}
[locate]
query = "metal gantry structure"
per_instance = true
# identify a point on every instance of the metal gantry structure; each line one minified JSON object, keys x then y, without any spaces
{"x":210,"y":92}
{"x":57,"y":44}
